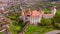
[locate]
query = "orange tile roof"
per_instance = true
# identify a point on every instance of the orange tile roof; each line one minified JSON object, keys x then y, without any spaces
{"x":35,"y":13}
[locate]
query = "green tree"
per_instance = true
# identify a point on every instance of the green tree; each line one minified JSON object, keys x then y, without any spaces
{"x":46,"y":21}
{"x":56,"y":20}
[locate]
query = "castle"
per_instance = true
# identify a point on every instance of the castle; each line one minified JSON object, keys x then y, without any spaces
{"x":35,"y":16}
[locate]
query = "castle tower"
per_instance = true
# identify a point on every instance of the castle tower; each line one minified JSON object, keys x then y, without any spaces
{"x":53,"y":10}
{"x":28,"y":13}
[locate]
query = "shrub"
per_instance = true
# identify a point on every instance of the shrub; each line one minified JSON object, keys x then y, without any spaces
{"x":17,"y":28}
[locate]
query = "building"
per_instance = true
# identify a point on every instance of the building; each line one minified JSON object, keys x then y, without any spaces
{"x":35,"y":16}
{"x":3,"y":10}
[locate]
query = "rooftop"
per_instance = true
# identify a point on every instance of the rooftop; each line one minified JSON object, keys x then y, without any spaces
{"x":33,"y":13}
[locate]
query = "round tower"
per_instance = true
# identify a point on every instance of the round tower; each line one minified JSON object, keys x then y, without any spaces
{"x":53,"y":10}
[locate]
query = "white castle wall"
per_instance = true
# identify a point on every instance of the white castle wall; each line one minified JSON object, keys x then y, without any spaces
{"x":33,"y":20}
{"x":47,"y":16}
{"x":53,"y":11}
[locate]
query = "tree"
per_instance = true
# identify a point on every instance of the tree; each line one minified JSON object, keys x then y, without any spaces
{"x":46,"y":21}
{"x":56,"y":20}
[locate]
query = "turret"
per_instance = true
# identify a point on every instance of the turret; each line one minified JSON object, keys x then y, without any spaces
{"x":53,"y":10}
{"x":29,"y":11}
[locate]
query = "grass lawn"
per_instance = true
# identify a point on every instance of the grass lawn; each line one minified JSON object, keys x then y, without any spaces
{"x":1,"y":33}
{"x":38,"y":29}
{"x":47,"y":11}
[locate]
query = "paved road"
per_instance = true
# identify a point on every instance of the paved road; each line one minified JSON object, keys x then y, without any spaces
{"x":53,"y":32}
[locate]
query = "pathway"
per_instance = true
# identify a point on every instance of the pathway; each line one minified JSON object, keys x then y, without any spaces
{"x":53,"y":32}
{"x":24,"y":28}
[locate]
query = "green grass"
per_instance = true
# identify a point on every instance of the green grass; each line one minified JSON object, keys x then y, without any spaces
{"x":32,"y":29}
{"x":47,"y":11}
{"x":1,"y":33}
{"x":38,"y":29}
{"x":11,"y":29}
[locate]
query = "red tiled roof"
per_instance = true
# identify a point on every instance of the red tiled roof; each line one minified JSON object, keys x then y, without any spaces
{"x":35,"y":13}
